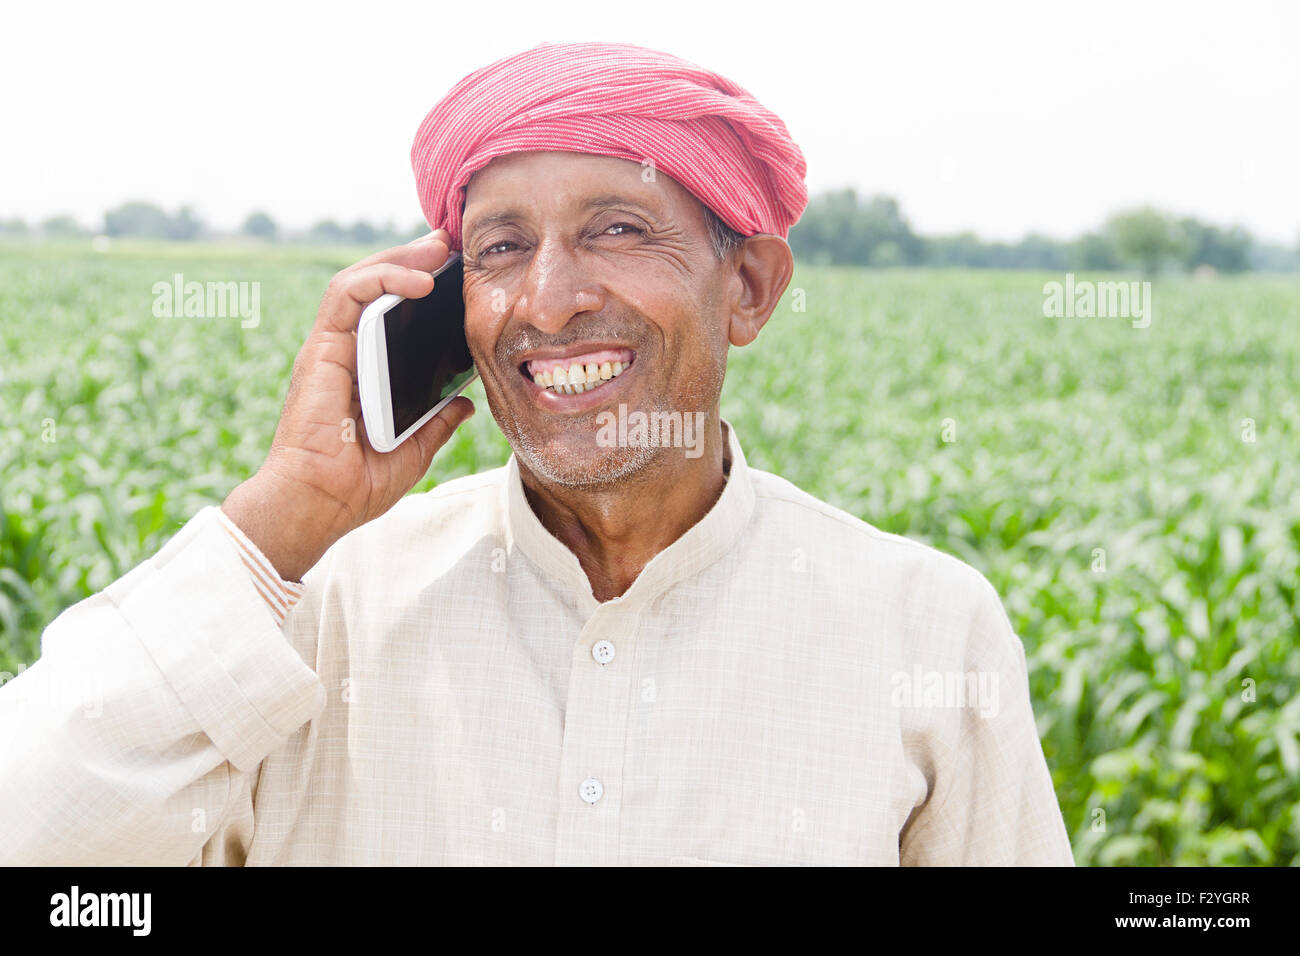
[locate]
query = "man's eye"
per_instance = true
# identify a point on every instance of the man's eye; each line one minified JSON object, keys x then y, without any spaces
{"x":498,"y":247}
{"x":622,"y":228}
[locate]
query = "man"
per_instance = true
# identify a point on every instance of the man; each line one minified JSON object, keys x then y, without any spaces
{"x":610,"y":651}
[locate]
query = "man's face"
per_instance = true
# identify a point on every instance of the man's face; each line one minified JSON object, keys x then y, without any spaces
{"x":576,"y":260}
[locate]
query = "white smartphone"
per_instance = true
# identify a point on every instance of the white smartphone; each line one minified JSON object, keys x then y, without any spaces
{"x":412,"y":357}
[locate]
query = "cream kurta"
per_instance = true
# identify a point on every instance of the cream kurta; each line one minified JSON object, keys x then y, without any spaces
{"x":448,"y":691}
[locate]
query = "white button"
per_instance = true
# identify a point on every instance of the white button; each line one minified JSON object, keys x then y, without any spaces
{"x":603,"y":651}
{"x":591,"y":790}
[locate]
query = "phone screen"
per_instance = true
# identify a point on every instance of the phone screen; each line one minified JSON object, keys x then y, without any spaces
{"x":428,"y":357}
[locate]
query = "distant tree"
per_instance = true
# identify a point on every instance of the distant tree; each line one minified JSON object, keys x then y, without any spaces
{"x":362,"y":233}
{"x":1001,"y":255}
{"x":1040,"y":252}
{"x":184,"y":225}
{"x":388,"y":235}
{"x":1092,"y":251}
{"x":146,"y":220}
{"x":13,"y":227}
{"x":137,"y":219}
{"x":1146,"y":238}
{"x":260,"y":226}
{"x":1274,"y":257}
{"x":1205,"y":245}
{"x":962,"y":249}
{"x":327,"y":230}
{"x":885,"y":254}
{"x":839,"y":229}
{"x":61,"y":227}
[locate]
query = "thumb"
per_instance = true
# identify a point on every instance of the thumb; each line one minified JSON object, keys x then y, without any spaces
{"x":437,"y":431}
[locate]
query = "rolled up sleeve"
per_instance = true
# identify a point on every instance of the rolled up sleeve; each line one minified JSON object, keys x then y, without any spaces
{"x":128,"y":741}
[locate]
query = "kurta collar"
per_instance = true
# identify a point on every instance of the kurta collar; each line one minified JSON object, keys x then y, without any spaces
{"x":704,"y":543}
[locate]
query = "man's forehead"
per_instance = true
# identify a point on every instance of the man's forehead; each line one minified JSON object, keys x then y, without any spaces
{"x":518,"y":182}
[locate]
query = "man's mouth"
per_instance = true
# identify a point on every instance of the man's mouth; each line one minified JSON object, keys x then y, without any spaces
{"x":574,"y":374}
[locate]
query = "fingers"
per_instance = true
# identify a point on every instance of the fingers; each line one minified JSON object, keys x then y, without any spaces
{"x":436,"y":432}
{"x":427,"y":253}
{"x":456,"y":413}
{"x":350,"y":292}
{"x":363,"y":282}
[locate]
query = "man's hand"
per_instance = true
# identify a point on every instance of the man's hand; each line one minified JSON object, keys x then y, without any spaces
{"x":316,"y":485}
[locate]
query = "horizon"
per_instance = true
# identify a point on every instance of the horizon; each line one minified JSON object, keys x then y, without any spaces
{"x":298,"y":232}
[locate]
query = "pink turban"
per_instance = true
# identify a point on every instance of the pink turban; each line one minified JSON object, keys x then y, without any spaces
{"x":614,"y":99}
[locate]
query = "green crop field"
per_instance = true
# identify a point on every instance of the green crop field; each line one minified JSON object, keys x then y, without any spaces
{"x":1133,"y":494}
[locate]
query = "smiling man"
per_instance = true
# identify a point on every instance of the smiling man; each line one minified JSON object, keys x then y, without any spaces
{"x":605,"y":652}
{"x":602,"y":267}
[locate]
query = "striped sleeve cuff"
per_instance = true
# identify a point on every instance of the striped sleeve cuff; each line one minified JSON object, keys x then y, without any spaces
{"x":280,"y":595}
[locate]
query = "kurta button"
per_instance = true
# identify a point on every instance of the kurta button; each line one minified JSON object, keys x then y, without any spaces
{"x":603,"y":651}
{"x":591,"y":790}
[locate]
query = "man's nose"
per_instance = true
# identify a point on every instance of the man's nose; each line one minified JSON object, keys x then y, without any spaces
{"x":556,"y":288}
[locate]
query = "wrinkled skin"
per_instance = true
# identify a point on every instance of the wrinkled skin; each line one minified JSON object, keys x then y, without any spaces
{"x":575,"y":252}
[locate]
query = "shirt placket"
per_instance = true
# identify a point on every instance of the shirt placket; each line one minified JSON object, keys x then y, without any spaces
{"x":590,"y":782}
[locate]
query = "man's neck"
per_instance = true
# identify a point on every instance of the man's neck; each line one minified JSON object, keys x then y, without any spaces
{"x":616,"y":530}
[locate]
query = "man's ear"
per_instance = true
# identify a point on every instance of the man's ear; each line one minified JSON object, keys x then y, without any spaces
{"x":764,"y":266}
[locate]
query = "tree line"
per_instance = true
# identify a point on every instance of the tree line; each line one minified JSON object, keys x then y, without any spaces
{"x":839,"y":228}
{"x":145,"y":220}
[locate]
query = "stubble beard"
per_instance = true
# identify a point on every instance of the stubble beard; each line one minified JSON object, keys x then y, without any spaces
{"x":612,"y":466}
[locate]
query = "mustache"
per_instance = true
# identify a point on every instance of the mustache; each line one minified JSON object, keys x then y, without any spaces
{"x":527,"y":338}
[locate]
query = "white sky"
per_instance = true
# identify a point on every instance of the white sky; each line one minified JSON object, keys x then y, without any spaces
{"x":1000,"y":117}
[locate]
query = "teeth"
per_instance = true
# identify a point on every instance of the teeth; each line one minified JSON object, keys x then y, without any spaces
{"x":577,"y":379}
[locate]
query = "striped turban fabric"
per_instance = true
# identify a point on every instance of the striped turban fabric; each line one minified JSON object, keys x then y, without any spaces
{"x":614,"y":99}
